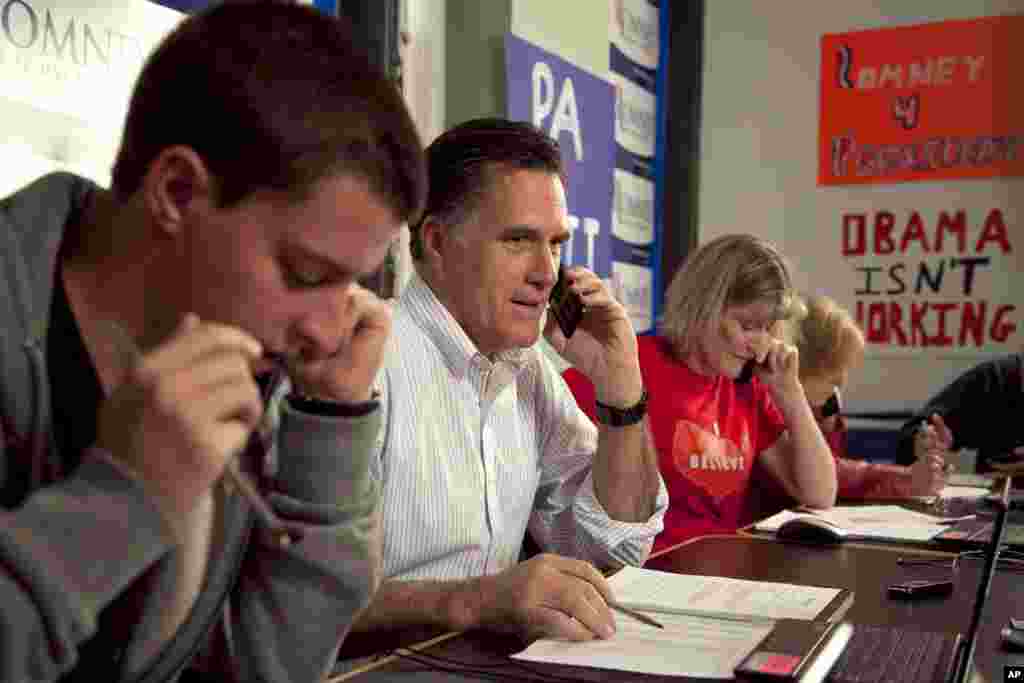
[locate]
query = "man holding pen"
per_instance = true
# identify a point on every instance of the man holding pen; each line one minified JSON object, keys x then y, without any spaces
{"x":483,"y":440}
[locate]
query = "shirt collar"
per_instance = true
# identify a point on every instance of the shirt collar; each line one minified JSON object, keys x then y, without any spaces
{"x":457,"y":349}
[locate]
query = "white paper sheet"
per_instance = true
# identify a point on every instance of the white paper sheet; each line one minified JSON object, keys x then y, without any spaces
{"x":951,"y":491}
{"x":972,"y":480}
{"x":882,"y":522}
{"x":688,"y":646}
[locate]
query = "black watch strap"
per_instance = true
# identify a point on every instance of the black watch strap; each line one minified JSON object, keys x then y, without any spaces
{"x":622,"y":417}
{"x":316,"y":406}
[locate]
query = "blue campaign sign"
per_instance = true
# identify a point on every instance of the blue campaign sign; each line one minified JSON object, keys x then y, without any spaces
{"x":577,"y":109}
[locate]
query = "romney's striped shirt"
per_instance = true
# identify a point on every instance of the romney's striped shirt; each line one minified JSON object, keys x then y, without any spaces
{"x":473,"y":452}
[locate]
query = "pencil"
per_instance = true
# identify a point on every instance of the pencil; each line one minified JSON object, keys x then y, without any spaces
{"x":239,"y":479}
{"x":639,"y":616}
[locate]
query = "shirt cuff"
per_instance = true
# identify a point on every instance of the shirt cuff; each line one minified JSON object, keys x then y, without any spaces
{"x":621,"y":542}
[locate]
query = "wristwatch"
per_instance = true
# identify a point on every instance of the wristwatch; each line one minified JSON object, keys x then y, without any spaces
{"x":622,"y":417}
{"x":325,"y":408}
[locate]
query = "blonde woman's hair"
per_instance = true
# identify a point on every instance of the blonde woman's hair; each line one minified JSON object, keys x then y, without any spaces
{"x":826,"y":335}
{"x":732,"y":270}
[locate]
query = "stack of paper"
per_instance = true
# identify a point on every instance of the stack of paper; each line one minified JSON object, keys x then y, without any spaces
{"x":711,"y":623}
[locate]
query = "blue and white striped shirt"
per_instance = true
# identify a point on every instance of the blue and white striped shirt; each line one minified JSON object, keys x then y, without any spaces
{"x":473,"y":451}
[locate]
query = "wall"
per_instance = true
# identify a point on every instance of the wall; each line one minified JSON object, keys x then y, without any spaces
{"x":422,"y":46}
{"x":759,"y":165}
{"x":474,"y":59}
{"x":576,"y":30}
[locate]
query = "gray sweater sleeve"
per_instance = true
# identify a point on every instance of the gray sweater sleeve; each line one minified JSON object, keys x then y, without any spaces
{"x":68,"y":552}
{"x":293,"y":606}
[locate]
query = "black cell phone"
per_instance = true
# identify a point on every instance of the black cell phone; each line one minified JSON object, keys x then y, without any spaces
{"x":747,"y":373}
{"x":912,"y":590}
{"x":830,"y":407}
{"x":565,"y":305}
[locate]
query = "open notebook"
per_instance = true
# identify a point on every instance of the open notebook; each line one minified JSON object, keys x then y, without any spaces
{"x":724,"y":597}
{"x":710,"y":623}
{"x":875,"y":522}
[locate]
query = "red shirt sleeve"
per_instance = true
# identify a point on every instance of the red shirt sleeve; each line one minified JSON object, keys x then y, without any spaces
{"x":859,"y":480}
{"x":583,"y":390}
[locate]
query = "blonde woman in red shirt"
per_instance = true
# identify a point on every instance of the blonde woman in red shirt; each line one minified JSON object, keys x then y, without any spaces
{"x":721,"y":440}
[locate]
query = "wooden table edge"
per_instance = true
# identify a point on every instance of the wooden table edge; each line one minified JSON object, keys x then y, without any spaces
{"x":677,"y":546}
{"x":387,"y":659}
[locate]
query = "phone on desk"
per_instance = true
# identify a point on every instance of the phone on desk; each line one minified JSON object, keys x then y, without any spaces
{"x":792,"y":648}
{"x":920,"y":588}
{"x":565,"y":305}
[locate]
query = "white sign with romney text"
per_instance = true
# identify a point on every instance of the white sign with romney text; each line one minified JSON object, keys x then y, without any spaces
{"x":67,"y":74}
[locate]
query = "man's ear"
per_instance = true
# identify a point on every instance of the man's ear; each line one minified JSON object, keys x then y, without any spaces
{"x":434,"y":238}
{"x":176,"y":185}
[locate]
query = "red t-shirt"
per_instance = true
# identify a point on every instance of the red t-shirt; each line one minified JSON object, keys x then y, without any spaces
{"x":708,"y":432}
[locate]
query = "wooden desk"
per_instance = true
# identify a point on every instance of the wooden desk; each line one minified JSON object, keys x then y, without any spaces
{"x":867,"y":570}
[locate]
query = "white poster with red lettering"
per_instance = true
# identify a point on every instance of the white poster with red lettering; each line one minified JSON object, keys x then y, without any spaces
{"x":920,"y":141}
{"x":946,"y":280}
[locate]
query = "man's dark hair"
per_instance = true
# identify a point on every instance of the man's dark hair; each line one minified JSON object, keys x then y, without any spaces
{"x":459,"y":162}
{"x":272,"y":96}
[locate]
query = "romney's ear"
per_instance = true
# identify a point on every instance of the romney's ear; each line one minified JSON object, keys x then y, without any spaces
{"x":435,"y":237}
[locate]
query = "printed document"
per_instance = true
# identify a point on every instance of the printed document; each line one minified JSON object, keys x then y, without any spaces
{"x":711,"y":623}
{"x":717,"y":596}
{"x":698,"y":647}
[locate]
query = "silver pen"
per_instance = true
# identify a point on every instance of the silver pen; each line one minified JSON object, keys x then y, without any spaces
{"x":233,"y":473}
{"x":639,"y":616}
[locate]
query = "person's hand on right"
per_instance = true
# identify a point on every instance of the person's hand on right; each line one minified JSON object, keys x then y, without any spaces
{"x":931,"y":437}
{"x":928,"y":474}
{"x":548,"y":596}
{"x":182,"y":410}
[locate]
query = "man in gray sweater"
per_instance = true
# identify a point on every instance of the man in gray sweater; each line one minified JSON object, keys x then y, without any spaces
{"x":203,"y":314}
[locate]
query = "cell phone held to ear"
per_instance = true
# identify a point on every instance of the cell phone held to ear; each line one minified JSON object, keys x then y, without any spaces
{"x":831,"y":406}
{"x":565,"y":305}
{"x":747,"y":373}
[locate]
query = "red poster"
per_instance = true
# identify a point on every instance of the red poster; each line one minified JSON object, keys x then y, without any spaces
{"x":927,"y":102}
